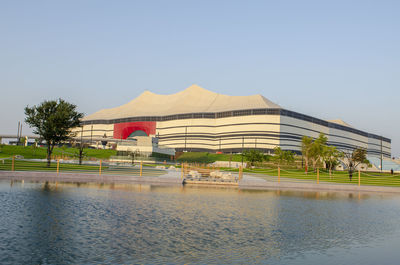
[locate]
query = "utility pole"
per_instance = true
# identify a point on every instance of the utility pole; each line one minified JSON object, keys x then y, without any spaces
{"x":81,"y":148}
{"x":18,"y":134}
{"x":242,"y":149}
{"x":81,"y":135}
{"x":185,"y":137}
{"x":91,"y":134}
{"x":381,"y":155}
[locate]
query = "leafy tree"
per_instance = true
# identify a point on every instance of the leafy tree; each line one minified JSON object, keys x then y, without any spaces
{"x":317,"y":150}
{"x":283,"y":156}
{"x":134,"y":154}
{"x":52,"y":121}
{"x":306,"y":144}
{"x":64,"y":148}
{"x":288,"y":156}
{"x":278,"y":155}
{"x":354,"y":158}
{"x":34,"y":148}
{"x":21,"y":141}
{"x":81,"y":152}
{"x":331,"y":157}
{"x":253,"y":156}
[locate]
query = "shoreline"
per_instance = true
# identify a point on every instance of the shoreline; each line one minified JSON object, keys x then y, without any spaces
{"x":37,"y":176}
{"x":174,"y":178}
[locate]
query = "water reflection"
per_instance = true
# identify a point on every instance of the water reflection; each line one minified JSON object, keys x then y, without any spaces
{"x":126,"y":223}
{"x":222,"y":191}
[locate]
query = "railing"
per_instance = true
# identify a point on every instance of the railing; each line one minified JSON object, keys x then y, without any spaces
{"x":206,"y":172}
{"x":322,"y":176}
{"x":13,"y":164}
{"x":58,"y":166}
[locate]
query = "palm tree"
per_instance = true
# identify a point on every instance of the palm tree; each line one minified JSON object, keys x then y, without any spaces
{"x":306,"y":144}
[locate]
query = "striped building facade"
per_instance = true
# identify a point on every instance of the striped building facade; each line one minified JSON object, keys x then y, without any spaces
{"x":200,"y":120}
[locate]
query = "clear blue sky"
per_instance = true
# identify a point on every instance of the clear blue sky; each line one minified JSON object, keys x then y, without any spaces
{"x":330,"y":59}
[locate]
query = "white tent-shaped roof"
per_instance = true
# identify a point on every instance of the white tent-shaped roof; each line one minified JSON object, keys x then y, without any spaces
{"x":193,"y":99}
{"x":340,"y":122}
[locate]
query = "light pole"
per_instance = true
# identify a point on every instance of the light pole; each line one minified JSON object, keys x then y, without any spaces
{"x":242,"y":149}
{"x":381,"y":155}
{"x":91,"y":134}
{"x":185,"y":137}
{"x":18,"y":134}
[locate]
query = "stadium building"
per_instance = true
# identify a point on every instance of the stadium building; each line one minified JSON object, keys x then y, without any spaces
{"x":196,"y":119}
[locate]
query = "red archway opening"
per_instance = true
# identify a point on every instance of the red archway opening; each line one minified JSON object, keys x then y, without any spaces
{"x":123,"y":130}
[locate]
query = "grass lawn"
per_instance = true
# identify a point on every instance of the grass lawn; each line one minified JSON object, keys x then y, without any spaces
{"x":42,"y":166}
{"x":23,"y":165}
{"x":4,"y":155}
{"x":367,"y":178}
{"x":342,"y":177}
{"x":30,"y":152}
{"x":204,"y":157}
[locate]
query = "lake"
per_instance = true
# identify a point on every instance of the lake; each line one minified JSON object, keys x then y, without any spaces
{"x":143,"y":224}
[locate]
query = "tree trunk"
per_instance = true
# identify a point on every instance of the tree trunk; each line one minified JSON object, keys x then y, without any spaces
{"x":350,"y":173}
{"x":49,"y":151}
{"x":314,"y":165}
{"x":80,"y":156}
{"x":306,"y":164}
{"x":351,"y":170}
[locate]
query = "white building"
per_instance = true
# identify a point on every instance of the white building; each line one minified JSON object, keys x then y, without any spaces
{"x":144,"y":146}
{"x":196,"y":119}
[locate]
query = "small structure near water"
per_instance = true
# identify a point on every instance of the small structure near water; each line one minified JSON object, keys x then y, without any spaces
{"x":209,"y":176}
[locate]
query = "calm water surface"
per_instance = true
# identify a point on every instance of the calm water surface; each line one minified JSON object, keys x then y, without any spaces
{"x":138,"y":224}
